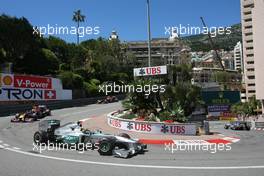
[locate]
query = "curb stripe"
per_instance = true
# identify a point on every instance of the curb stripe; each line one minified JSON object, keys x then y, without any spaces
{"x":155,"y":141}
{"x":226,"y":140}
{"x":218,"y":141}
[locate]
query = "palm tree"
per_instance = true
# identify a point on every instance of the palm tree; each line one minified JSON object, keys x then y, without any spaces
{"x":78,"y":17}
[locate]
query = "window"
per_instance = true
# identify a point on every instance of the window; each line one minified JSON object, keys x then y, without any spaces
{"x":250,"y":62}
{"x":247,"y":13}
{"x":248,"y":34}
{"x":248,"y":27}
{"x":250,"y":55}
{"x":249,"y":5}
{"x":249,"y":48}
{"x":249,"y":41}
{"x":248,"y":20}
{"x":251,"y":77}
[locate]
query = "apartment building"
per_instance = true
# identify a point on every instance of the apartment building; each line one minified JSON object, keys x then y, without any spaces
{"x":248,"y":48}
{"x":164,"y":51}
{"x":238,"y":57}
{"x":258,"y":44}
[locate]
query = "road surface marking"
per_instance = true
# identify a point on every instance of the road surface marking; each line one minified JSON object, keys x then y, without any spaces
{"x":134,"y":165}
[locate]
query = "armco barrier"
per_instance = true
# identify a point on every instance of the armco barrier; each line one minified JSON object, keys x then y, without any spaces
{"x":151,"y":127}
{"x":259,"y":124}
{"x":15,"y":108}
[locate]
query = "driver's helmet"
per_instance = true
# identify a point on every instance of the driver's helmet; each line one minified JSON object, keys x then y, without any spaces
{"x":79,"y":123}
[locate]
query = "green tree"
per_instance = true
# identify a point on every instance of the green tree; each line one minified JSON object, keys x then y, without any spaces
{"x":18,"y":41}
{"x":180,"y":73}
{"x":248,"y":108}
{"x":78,"y":17}
{"x":59,"y":47}
{"x":39,"y":62}
{"x":139,"y":101}
{"x":185,"y":94}
{"x":71,"y":80}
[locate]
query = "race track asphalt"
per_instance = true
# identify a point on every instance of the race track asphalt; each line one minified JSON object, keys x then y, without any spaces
{"x":17,"y":157}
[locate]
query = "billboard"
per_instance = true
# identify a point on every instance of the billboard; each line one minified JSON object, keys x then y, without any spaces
{"x":15,"y":87}
{"x":220,"y":97}
{"x":218,"y":108}
{"x":150,"y":71}
{"x":151,"y":127}
{"x":220,"y":101}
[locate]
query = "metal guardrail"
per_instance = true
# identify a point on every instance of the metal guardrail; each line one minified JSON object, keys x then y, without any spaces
{"x":6,"y":110}
{"x":259,"y":124}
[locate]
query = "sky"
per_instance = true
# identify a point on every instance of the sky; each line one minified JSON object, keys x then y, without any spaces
{"x":127,"y":17}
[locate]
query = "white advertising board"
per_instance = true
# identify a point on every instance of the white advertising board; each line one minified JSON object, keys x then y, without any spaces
{"x":27,"y":87}
{"x":150,"y":71}
{"x":152,"y":128}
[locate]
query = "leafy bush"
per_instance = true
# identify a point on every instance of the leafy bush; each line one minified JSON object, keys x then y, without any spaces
{"x":91,"y":87}
{"x":176,"y":115}
{"x":165,"y":115}
{"x":247,"y":108}
{"x":71,"y":80}
{"x":129,"y":116}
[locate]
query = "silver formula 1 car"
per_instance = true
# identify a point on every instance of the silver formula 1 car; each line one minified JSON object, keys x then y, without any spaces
{"x":73,"y":133}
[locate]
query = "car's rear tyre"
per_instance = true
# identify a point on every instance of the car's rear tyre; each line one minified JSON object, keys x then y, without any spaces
{"x":40,"y":138}
{"x":15,"y":119}
{"x":124,"y":135}
{"x":106,"y":147}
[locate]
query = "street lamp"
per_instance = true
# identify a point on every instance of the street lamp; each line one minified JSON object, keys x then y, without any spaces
{"x":149,"y":34}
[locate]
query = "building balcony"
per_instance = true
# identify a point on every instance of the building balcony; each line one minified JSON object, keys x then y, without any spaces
{"x":248,"y":58}
{"x":250,"y":81}
{"x":247,"y":10}
{"x":249,"y":52}
{"x":248,"y":45}
{"x":246,"y":38}
{"x":247,"y":16}
{"x":248,"y":23}
{"x":247,"y":3}
{"x":250,"y":73}
{"x":248,"y":30}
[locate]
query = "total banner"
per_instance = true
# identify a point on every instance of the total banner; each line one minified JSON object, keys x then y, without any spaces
{"x":152,"y":128}
{"x":29,"y":87}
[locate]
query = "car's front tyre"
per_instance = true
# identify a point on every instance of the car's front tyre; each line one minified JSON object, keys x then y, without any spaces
{"x":106,"y":147}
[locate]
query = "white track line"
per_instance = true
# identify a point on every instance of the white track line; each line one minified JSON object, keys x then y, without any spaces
{"x":135,"y":166}
{"x":16,"y":148}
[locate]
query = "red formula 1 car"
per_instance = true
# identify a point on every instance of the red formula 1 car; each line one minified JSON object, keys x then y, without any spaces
{"x":28,"y":116}
{"x":108,"y":99}
{"x":37,"y":112}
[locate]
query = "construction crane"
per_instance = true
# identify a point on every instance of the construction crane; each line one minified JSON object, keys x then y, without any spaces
{"x":213,"y":46}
